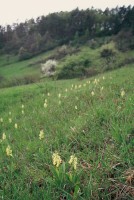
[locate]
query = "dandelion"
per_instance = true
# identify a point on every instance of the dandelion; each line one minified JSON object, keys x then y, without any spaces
{"x":3,"y":136}
{"x":16,"y":126}
{"x":22,"y":106}
{"x":56,"y":159}
{"x":22,"y":112}
{"x":76,"y":108}
{"x":92,"y":93}
{"x":9,"y":151}
{"x":1,"y":120}
{"x":10,"y":120}
{"x":73,"y":161}
{"x":122,"y":93}
{"x":45,"y":105}
{"x":41,"y":135}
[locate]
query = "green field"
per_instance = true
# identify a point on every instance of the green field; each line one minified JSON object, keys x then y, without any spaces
{"x":91,"y":119}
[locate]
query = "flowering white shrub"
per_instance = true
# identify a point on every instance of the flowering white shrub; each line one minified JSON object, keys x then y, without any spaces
{"x":48,"y":68}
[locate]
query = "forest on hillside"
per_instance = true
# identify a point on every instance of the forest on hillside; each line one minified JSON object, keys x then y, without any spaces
{"x":76,"y":27}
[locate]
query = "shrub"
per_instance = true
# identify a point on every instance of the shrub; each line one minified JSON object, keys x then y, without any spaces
{"x":74,"y":69}
{"x":24,"y":54}
{"x":48,"y":68}
{"x":90,"y":72}
{"x":107,"y":53}
{"x":27,"y":79}
{"x":109,"y":56}
{"x":125,"y":40}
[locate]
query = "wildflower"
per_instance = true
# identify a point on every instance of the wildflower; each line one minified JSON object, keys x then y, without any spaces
{"x":10,"y":120}
{"x":3,"y":136}
{"x":103,"y":77}
{"x":73,"y":161}
{"x":76,"y":108}
{"x":41,"y":135}
{"x":102,"y":88}
{"x":96,"y":81}
{"x":84,"y":84}
{"x":22,"y":112}
{"x":66,"y":90}
{"x":16,"y":126}
{"x":1,"y":119}
{"x":9,"y":113}
{"x":92,"y":93}
{"x":56,"y":159}
{"x":122,"y":93}
{"x":59,"y":95}
{"x":79,"y":86}
{"x":89,"y":82}
{"x":72,"y":85}
{"x":45,"y":100}
{"x":45,"y":105}
{"x":48,"y":94}
{"x":22,"y":106}
{"x":9,"y":151}
{"x":75,"y":86}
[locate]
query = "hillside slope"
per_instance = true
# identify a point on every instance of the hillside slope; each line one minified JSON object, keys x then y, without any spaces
{"x":91,"y":119}
{"x":72,"y":62}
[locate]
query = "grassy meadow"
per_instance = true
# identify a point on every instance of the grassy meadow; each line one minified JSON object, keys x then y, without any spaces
{"x":43,"y":124}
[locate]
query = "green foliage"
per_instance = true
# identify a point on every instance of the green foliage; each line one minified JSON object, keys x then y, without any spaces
{"x":110,"y":57}
{"x":125,"y":40}
{"x":66,"y":181}
{"x":74,"y":68}
{"x":23,"y":54}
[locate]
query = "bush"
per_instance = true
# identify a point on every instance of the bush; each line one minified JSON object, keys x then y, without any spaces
{"x":125,"y":40}
{"x":90,"y":72}
{"x":74,"y":69}
{"x":25,"y":80}
{"x":107,"y":53}
{"x":126,"y":61}
{"x":24,"y":54}
{"x":48,"y":68}
{"x":109,"y":56}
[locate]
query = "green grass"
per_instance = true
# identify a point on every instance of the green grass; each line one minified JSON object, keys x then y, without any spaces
{"x":97,"y":129}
